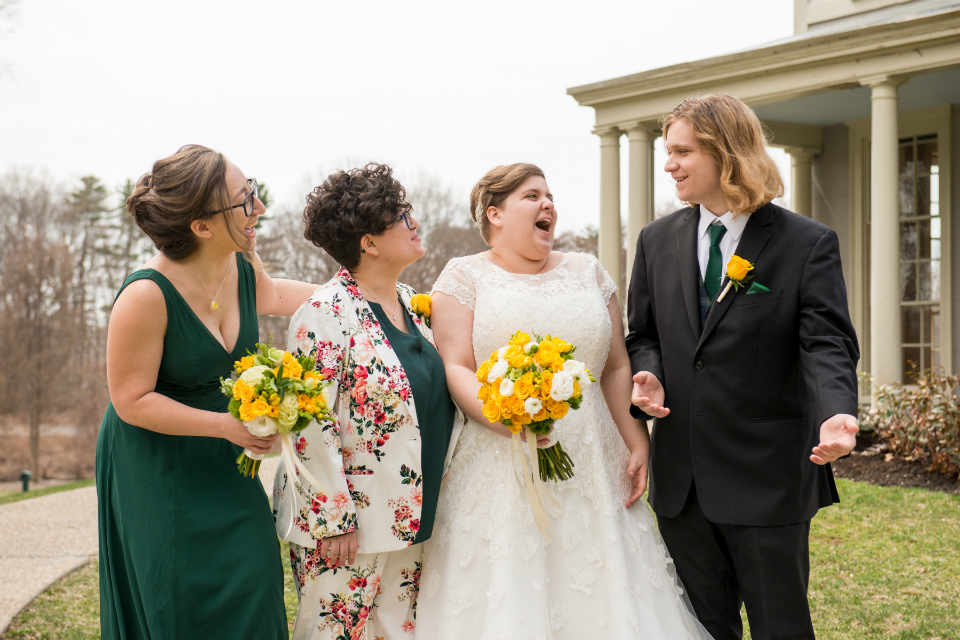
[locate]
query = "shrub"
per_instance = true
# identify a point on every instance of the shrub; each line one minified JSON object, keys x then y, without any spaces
{"x":920,"y":421}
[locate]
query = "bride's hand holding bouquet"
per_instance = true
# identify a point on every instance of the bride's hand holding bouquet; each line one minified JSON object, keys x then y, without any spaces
{"x":527,"y":386}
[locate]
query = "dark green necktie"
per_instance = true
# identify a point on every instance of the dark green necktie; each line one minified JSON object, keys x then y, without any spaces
{"x":714,"y":267}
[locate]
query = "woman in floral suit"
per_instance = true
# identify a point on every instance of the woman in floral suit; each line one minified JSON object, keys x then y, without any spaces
{"x":354,"y":542}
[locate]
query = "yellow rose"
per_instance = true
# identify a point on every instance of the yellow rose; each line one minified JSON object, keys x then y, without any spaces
{"x":516,"y":405}
{"x":484,"y":371}
{"x":291,"y":369}
{"x":558,"y":410}
{"x":491,"y":411}
{"x":238,"y":389}
{"x":562,"y":346}
{"x":246,"y":412}
{"x":543,"y":414}
{"x":521,"y":388}
{"x":495,"y":389}
{"x":258,"y":407}
{"x":421,"y":304}
{"x":274,"y":411}
{"x":247,"y":394}
{"x":513,"y":351}
{"x":520,"y":338}
{"x":546,"y":383}
{"x":546,"y":354}
{"x":738,"y":268}
{"x":483,"y":394}
{"x":243,"y":364}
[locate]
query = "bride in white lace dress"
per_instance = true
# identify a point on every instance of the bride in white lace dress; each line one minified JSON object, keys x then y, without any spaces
{"x":487,"y":573}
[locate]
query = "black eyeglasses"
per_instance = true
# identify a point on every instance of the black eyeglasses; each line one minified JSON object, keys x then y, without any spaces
{"x":405,"y":216}
{"x":247,"y":203}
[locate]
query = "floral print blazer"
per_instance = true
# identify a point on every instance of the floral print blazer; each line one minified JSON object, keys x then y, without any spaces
{"x":369,"y":457}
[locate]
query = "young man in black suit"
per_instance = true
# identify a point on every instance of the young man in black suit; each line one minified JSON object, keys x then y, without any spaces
{"x":752,"y":383}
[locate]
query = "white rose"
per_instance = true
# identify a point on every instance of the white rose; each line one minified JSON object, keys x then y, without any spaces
{"x":253,"y":375}
{"x":578,"y":371}
{"x":329,"y":394}
{"x":532,"y":406}
{"x":562,"y":387}
{"x":498,"y":370}
{"x":506,"y":387}
{"x":261,"y":427}
{"x":501,"y":351}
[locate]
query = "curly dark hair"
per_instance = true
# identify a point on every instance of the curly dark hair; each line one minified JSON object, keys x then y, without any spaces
{"x":351,"y":204}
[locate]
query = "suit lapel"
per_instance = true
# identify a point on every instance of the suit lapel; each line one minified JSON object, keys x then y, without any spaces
{"x":754,"y":238}
{"x":689,"y":266}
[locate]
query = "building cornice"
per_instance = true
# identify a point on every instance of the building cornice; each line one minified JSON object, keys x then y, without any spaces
{"x":786,"y":57}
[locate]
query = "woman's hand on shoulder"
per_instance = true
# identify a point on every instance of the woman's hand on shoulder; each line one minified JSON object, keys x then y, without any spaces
{"x":278,"y":296}
{"x":138,"y":323}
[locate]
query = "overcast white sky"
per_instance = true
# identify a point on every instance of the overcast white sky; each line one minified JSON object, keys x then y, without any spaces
{"x":290,"y":89}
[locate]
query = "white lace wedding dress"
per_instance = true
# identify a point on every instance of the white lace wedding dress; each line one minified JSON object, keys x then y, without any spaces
{"x":487,"y":574}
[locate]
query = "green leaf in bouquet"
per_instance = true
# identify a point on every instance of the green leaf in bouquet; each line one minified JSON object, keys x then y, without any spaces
{"x":307,"y":363}
{"x":234,"y":408}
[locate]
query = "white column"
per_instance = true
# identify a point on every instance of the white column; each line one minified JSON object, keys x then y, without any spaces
{"x":609,"y":242}
{"x":640,"y":185}
{"x":884,"y":233}
{"x":801,"y":180}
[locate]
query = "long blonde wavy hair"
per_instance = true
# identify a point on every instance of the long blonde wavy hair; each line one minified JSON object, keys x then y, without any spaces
{"x":730,"y":133}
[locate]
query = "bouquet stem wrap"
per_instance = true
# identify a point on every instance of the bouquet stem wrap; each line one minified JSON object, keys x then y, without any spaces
{"x":532,"y":482}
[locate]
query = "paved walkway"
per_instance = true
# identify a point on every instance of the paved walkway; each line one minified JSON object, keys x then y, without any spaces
{"x":42,"y":539}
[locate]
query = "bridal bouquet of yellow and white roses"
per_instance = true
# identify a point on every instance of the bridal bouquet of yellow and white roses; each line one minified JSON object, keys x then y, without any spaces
{"x":527,"y":386}
{"x":276,"y":392}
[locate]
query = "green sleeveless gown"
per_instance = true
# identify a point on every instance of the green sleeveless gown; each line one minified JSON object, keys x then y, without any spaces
{"x":187,"y":545}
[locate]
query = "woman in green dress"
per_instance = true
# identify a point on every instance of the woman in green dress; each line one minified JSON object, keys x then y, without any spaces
{"x":187,"y":544}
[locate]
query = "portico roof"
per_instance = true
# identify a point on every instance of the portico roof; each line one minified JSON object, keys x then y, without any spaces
{"x":788,"y":72}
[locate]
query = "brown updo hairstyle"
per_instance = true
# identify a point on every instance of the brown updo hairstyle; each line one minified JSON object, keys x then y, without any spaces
{"x":180,"y":189}
{"x":730,"y":132}
{"x":351,"y":204}
{"x":494,"y":188}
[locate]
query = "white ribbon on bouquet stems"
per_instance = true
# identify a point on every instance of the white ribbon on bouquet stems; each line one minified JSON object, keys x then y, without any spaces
{"x":532,"y":481}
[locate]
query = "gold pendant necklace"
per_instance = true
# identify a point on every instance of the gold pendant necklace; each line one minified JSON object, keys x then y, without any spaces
{"x":377,"y":300}
{"x":213,"y":302}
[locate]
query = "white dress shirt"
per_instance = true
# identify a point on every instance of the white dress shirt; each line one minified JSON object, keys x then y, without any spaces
{"x":729,"y":241}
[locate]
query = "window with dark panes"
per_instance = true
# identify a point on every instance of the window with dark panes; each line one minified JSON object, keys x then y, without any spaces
{"x":919,"y":255}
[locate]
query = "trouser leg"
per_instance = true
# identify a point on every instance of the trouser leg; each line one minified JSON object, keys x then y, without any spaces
{"x":335,"y":603}
{"x":395,"y":612}
{"x":705,"y":568}
{"x":773,"y":570}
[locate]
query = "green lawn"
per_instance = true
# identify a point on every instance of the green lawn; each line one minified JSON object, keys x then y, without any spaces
{"x":885,"y":563}
{"x":16,"y":496}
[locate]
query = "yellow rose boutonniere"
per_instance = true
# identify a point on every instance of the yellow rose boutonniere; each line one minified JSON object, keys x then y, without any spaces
{"x":738,"y":271}
{"x":421,"y":304}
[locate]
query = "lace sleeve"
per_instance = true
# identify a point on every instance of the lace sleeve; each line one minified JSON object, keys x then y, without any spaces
{"x":456,"y":281}
{"x":605,"y":282}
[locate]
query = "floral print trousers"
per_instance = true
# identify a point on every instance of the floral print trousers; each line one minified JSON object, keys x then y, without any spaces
{"x":373,"y":599}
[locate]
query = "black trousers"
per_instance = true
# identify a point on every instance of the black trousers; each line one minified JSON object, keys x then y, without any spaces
{"x":725,"y":566}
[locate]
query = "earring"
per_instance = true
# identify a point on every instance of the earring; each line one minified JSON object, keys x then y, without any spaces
{"x":362,"y":250}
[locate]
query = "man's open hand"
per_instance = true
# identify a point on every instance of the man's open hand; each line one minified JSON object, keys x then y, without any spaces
{"x":838,"y":437}
{"x":648,"y":395}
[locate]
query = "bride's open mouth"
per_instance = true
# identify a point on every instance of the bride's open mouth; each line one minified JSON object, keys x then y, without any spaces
{"x":250,"y":232}
{"x":543,"y":224}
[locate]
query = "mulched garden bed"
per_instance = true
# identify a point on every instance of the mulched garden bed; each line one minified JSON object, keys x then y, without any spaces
{"x":882,"y":469}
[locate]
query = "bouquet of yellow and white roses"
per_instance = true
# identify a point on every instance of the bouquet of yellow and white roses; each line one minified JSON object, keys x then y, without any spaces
{"x":276,"y":392}
{"x":527,"y":386}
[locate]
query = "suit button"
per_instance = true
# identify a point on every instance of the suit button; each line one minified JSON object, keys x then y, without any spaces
{"x":698,"y":364}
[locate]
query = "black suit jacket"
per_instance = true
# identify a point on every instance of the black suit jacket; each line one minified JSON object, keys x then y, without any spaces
{"x":748,"y":393}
